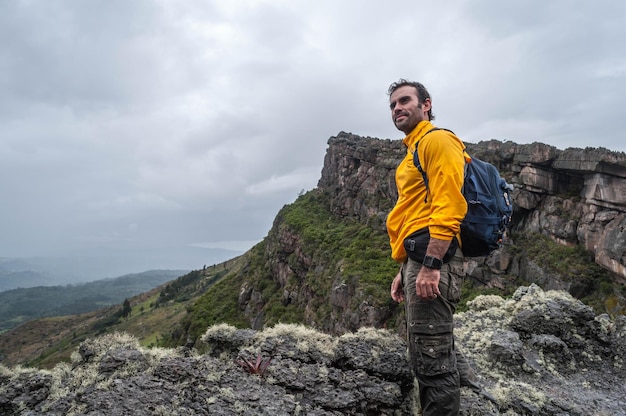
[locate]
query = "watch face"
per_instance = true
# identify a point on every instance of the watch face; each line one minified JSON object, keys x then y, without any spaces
{"x":432,"y":262}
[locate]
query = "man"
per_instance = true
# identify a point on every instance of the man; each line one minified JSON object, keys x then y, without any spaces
{"x":430,"y":218}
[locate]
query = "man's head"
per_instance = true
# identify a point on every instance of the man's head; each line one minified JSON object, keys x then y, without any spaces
{"x":410,"y":103}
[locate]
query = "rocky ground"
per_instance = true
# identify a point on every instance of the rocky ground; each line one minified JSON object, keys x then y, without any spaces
{"x":546,"y":353}
{"x":538,"y":353}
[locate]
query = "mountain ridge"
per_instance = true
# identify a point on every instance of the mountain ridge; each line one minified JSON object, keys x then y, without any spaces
{"x":24,"y":304}
{"x":85,"y":266}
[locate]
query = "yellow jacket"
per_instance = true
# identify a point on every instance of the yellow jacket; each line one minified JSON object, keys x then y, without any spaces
{"x":442,"y":157}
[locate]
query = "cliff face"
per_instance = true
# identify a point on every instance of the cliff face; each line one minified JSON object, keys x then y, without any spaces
{"x":358,"y":174}
{"x":575,"y":196}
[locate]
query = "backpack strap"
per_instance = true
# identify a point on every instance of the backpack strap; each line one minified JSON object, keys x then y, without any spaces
{"x":418,"y":164}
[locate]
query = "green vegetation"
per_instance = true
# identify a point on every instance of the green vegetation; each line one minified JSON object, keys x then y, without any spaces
{"x":572,"y":263}
{"x":21,"y":305}
{"x":148,"y":316}
{"x":358,"y":251}
{"x":217,"y":305}
{"x":184,"y":288}
{"x":327,"y":251}
{"x":588,"y":281}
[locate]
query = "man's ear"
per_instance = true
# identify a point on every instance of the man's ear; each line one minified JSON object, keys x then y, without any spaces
{"x":426,"y":105}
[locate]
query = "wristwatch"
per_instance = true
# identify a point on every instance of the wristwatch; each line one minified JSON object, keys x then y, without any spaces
{"x":432,"y":262}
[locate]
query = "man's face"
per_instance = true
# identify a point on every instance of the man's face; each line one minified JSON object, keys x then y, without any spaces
{"x":406,"y":110}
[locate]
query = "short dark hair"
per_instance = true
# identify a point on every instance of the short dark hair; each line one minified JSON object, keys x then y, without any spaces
{"x":422,"y":92}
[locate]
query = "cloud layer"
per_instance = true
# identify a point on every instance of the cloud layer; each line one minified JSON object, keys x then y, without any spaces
{"x":161,"y":124}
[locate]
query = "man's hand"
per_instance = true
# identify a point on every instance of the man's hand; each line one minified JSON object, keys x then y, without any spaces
{"x":397,"y":292}
{"x":427,"y":283}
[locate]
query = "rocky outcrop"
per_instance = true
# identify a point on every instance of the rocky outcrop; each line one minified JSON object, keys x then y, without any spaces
{"x":575,"y":196}
{"x":545,"y":353}
{"x":538,"y":353}
{"x":358,"y":174}
{"x":285,"y":370}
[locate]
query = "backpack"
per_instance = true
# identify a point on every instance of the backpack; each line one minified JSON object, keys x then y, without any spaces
{"x":489,"y":207}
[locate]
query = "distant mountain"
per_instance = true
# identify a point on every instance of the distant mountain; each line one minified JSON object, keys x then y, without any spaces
{"x":27,"y":278}
{"x":21,"y":305}
{"x":87,"y":266}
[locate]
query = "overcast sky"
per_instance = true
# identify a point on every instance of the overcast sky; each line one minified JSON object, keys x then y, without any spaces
{"x":163,"y":125}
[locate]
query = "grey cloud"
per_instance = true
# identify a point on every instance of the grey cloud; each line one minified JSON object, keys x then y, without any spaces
{"x":143,"y":124}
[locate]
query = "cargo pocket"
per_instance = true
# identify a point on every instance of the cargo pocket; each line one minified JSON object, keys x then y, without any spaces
{"x":453,"y":281}
{"x":454,"y":289}
{"x":432,"y":355}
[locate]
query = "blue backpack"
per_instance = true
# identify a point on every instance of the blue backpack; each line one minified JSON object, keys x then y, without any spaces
{"x":489,"y":207}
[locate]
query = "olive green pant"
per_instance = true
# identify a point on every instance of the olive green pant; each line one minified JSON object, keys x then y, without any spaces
{"x":431,"y":340}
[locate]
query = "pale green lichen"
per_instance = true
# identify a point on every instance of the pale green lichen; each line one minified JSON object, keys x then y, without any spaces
{"x":380,"y":337}
{"x":380,"y":340}
{"x":484,"y":302}
{"x":77,"y":409}
{"x":227,"y":392}
{"x":323,"y":373}
{"x":307,"y":339}
{"x":221,"y":330}
{"x":506,"y":391}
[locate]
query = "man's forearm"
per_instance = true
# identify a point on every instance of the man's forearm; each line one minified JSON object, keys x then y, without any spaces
{"x":437,"y":248}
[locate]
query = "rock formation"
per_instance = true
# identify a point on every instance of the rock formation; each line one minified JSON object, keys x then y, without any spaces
{"x":575,"y":196}
{"x":538,"y":353}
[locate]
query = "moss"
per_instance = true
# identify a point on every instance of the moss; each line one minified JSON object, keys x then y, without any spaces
{"x":344,"y":246}
{"x":594,"y":284}
{"x":614,"y":306}
{"x":381,"y":338}
{"x":470,"y":291}
{"x":307,"y":339}
{"x":361,"y":252}
{"x":572,"y":263}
